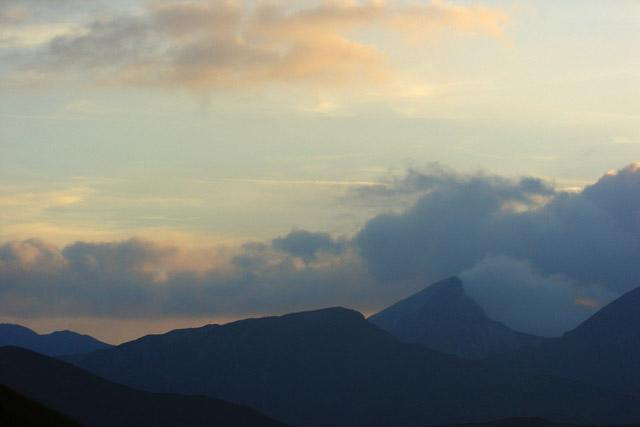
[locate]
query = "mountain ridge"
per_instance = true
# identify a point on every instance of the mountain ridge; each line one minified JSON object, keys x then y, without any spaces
{"x":442,"y":317}
{"x":333,"y":367}
{"x":56,"y":343}
{"x":94,"y":401}
{"x":603,"y":350}
{"x":17,"y":410}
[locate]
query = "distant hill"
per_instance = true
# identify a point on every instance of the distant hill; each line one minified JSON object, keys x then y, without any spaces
{"x":93,"y":401}
{"x":603,"y":350}
{"x":54,"y":344}
{"x":444,"y":318}
{"x":332,"y":367}
{"x":519,"y":422}
{"x":17,"y":410}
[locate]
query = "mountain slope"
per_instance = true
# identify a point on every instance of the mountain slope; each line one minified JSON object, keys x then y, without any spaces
{"x":53,"y":344}
{"x":519,"y":422}
{"x":603,"y":350}
{"x":444,"y":318}
{"x":93,"y":401}
{"x":332,"y":367}
{"x":19,"y":411}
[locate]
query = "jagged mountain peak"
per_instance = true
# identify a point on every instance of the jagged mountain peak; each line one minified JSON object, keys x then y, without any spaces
{"x":441,"y":296}
{"x":444,"y":318}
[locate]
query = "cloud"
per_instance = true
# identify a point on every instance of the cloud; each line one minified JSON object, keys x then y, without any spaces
{"x":40,"y":200}
{"x":428,"y":21}
{"x":31,"y":23}
{"x":615,"y":193}
{"x":591,"y":237}
{"x":448,"y":229}
{"x":32,"y":256}
{"x":510,"y":291}
{"x":537,"y":258}
{"x":12,"y":15}
{"x":136,"y":278}
{"x":218,"y":43}
{"x":306,"y":245}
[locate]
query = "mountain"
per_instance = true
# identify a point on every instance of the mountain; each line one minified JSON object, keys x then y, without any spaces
{"x":53,"y":344}
{"x":93,"y":401}
{"x":518,"y":422}
{"x":444,"y":318}
{"x":603,"y":350}
{"x":19,"y":411}
{"x":333,"y":367}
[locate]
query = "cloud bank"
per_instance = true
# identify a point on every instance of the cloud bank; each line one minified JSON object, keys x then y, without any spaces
{"x":512,"y":292}
{"x":537,"y":258}
{"x":592,"y":236}
{"x":231,"y":44}
{"x":529,"y":253}
{"x":139,"y":279}
{"x":307,"y":245}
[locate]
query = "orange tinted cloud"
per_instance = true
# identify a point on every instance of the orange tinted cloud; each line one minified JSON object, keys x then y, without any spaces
{"x":427,"y":21}
{"x":230,"y":44}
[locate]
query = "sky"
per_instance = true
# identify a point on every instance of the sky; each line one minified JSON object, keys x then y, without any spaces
{"x":174,"y":163}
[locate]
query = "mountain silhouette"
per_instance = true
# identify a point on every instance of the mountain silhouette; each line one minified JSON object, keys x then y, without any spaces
{"x":603,"y":350}
{"x":93,"y":401}
{"x":54,"y":344}
{"x":17,"y":410}
{"x":520,"y":422}
{"x":444,"y":318}
{"x":333,"y":367}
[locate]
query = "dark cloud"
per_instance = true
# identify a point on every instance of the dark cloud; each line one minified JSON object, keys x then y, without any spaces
{"x":590,"y":238}
{"x":617,"y":194}
{"x":306,"y":245}
{"x":448,"y":229}
{"x":512,"y":292}
{"x":412,"y":183}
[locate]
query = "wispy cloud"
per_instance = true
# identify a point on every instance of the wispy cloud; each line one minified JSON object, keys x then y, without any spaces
{"x":303,"y":182}
{"x":40,"y":200}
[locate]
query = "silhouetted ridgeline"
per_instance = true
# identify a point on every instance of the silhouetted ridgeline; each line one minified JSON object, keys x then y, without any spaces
{"x":522,"y":422}
{"x":332,"y":367}
{"x":603,"y":350}
{"x":444,"y":318}
{"x":17,"y":410}
{"x":93,"y":401}
{"x":54,"y":344}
